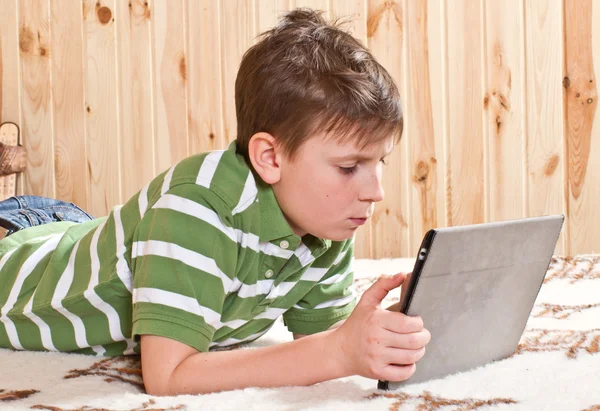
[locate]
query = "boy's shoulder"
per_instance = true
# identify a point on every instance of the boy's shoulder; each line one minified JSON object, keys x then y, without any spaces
{"x":223,"y":173}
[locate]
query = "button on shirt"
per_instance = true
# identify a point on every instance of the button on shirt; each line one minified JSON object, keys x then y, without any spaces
{"x":201,"y":255}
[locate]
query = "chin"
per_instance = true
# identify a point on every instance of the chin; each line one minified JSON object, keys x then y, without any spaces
{"x":339,"y":236}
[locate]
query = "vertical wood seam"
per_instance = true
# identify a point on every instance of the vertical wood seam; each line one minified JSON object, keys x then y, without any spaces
{"x":51,"y":104}
{"x":186,"y":93}
{"x":525,"y":122}
{"x":153,"y":102}
{"x":565,"y":136}
{"x":407,"y":197}
{"x":20,"y":182}
{"x":84,"y":90}
{"x":485,"y":113}
{"x":256,"y":7}
{"x":221,"y":71}
{"x":445,"y":117}
{"x":117,"y":28}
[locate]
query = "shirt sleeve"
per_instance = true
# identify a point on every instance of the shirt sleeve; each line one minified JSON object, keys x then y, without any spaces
{"x":183,"y":261}
{"x":331,"y":300}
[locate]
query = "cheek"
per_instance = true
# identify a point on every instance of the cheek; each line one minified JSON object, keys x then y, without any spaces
{"x":338,"y":194}
{"x":323,"y":189}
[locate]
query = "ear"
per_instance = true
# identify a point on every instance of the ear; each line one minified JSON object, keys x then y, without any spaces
{"x":263,"y":154}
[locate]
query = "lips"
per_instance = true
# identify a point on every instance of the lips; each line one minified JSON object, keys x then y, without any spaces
{"x":359,"y":221}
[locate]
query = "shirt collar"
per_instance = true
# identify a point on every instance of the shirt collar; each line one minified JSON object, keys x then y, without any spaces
{"x":273,"y":224}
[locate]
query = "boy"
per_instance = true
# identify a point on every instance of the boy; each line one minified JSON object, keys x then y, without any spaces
{"x":214,"y":249}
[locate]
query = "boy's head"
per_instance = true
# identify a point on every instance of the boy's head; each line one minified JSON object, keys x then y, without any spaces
{"x":309,"y":100}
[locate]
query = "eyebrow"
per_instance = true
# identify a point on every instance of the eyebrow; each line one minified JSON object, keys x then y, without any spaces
{"x":359,"y":157}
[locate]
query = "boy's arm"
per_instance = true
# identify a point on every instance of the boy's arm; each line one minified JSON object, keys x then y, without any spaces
{"x":183,"y":370}
{"x":372,"y":342}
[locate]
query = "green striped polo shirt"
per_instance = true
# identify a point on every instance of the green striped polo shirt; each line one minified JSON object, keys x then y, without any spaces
{"x":202,"y":254}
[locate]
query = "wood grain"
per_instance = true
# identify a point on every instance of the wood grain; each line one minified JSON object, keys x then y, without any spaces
{"x":438,"y":87}
{"x":422,"y":148}
{"x":503,"y":103}
{"x":102,"y":107}
{"x":10,"y":90}
{"x":133,"y":19}
{"x":204,"y":81}
{"x":10,"y":104}
{"x":170,"y":84}
{"x":68,"y":86}
{"x":353,"y":13}
{"x":268,"y":13}
{"x":390,"y":235}
{"x":465,"y":170}
{"x":500,"y":113}
{"x":238,"y":14}
{"x":582,"y":50}
{"x":545,"y":177}
{"x":36,"y":96}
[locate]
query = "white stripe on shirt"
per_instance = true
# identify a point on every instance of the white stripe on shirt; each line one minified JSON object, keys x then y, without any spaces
{"x":336,"y":303}
{"x":338,"y":277}
{"x":208,"y":168}
{"x":313,"y":274}
{"x":248,"y":240}
{"x":178,"y":301}
{"x":94,"y":259}
{"x":45,"y":334}
{"x":26,"y":269}
{"x":248,"y":195}
{"x":114,"y":322}
{"x":304,"y":255}
{"x":122,"y":268}
{"x":167,"y":180}
{"x":11,"y":330}
{"x":62,"y":288}
{"x":188,"y":257}
{"x":143,"y":200}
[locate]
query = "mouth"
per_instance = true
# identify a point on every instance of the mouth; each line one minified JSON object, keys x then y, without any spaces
{"x":358,"y":221}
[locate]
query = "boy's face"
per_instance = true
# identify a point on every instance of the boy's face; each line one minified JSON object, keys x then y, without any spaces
{"x":330,"y":189}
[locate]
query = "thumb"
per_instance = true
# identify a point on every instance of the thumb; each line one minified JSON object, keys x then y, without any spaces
{"x":377,"y":292}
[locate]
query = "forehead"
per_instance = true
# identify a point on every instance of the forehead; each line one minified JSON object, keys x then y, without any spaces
{"x":343,"y":146}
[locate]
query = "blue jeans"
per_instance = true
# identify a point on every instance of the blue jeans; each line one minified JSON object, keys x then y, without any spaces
{"x":20,"y":212}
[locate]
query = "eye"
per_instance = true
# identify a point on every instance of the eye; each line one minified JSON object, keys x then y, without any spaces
{"x":348,"y":170}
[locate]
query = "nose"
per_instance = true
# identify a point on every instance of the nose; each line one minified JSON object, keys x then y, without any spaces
{"x":372,"y":189}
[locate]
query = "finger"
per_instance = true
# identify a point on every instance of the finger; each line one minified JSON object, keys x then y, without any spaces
{"x":412,"y":341}
{"x":400,"y":356}
{"x":404,"y":287}
{"x":377,"y":292}
{"x":397,"y":372}
{"x":400,"y":323}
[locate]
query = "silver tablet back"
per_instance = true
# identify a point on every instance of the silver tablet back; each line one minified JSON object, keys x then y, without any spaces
{"x":476,"y":291}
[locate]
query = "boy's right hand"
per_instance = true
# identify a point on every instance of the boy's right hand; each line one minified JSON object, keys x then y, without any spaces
{"x":381,"y":344}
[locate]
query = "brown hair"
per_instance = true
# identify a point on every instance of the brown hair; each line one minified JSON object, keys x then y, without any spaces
{"x":305,"y":76}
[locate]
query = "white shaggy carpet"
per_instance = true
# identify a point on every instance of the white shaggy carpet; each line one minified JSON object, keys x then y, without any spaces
{"x":556,"y":367}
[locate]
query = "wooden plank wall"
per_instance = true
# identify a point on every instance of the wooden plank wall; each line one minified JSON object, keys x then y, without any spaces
{"x":499,"y":100}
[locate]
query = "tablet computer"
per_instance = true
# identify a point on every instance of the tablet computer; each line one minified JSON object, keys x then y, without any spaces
{"x":474,"y":286}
